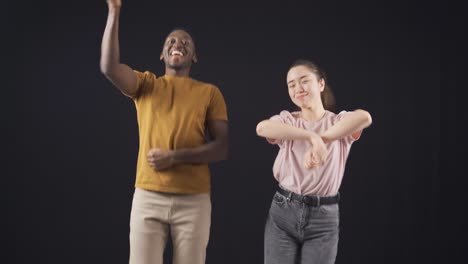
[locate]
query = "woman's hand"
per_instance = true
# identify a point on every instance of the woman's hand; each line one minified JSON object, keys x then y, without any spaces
{"x":317,"y":154}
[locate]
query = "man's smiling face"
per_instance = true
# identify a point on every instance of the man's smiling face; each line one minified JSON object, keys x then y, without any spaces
{"x":179,"y":50}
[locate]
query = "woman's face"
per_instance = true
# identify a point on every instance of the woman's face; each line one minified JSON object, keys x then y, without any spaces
{"x":303,"y":86}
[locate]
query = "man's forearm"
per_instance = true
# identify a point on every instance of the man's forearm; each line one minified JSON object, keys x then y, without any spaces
{"x":121,"y":75}
{"x":213,"y":151}
{"x":110,"y":51}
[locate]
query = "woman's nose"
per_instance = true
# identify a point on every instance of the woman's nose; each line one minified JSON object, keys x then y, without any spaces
{"x":299,"y":88}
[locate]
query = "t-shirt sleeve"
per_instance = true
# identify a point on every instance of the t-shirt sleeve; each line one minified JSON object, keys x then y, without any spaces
{"x":350,"y":138}
{"x":217,"y":109}
{"x":283,"y":117}
{"x":145,"y":83}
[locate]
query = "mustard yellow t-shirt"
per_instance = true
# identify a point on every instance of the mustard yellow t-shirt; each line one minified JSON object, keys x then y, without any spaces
{"x":172,"y":114}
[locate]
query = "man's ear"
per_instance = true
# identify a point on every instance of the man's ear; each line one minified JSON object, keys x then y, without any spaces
{"x":194,"y":58}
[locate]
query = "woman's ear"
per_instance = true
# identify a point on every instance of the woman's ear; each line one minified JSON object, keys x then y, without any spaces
{"x":322,"y":84}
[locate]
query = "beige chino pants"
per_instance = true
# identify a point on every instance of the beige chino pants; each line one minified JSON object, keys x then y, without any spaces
{"x":155,"y":216}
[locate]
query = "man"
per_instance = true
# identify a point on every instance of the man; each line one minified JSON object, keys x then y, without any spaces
{"x":172,"y":188}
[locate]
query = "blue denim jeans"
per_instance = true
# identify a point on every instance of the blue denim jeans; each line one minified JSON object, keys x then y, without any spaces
{"x":296,"y":233}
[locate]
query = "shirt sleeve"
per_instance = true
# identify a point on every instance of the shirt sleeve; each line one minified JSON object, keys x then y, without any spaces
{"x":217,"y":109}
{"x":284,"y":117}
{"x":350,"y":138}
{"x":145,"y":83}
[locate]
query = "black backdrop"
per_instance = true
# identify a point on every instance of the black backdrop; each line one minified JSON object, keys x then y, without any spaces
{"x":72,"y":137}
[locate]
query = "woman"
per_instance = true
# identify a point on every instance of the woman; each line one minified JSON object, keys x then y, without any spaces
{"x":303,"y":221}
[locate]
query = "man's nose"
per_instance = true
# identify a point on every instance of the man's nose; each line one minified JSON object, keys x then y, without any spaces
{"x":178,"y":43}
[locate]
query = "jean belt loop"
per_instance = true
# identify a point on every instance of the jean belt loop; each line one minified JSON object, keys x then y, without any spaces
{"x":318,"y":200}
{"x":289,"y":197}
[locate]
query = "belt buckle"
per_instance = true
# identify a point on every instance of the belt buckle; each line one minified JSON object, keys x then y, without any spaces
{"x":309,"y":200}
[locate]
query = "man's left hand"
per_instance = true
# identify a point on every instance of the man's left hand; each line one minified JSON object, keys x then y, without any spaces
{"x":160,"y":159}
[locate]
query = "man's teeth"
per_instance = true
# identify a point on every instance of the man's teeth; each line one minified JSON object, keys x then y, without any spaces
{"x":176,"y":52}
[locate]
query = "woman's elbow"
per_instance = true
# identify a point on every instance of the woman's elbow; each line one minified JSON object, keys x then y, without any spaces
{"x":365,"y":116}
{"x":261,"y":128}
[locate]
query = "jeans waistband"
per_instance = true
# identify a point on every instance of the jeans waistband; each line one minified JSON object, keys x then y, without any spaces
{"x":310,"y":200}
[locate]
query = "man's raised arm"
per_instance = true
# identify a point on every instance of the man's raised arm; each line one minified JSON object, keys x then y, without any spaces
{"x":121,"y":75}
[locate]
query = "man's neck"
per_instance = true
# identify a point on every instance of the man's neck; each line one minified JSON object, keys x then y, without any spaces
{"x":177,"y":73}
